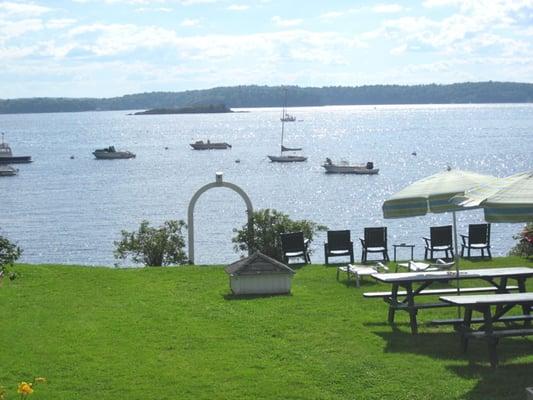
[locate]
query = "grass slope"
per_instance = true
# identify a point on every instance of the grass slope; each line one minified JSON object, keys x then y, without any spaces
{"x":175,"y":333}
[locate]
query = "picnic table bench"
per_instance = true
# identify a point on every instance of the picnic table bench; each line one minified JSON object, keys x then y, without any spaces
{"x":418,"y":283}
{"x":502,"y":303}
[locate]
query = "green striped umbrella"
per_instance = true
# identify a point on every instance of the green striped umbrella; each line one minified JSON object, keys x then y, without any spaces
{"x":505,"y":200}
{"x":433,"y":194}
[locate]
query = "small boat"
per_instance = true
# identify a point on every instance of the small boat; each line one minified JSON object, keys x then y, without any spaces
{"x":8,"y":170}
{"x":110,"y":153}
{"x":343,"y":167}
{"x":7,"y":157}
{"x":287,"y":158}
{"x":201,"y":145}
{"x":286,"y":117}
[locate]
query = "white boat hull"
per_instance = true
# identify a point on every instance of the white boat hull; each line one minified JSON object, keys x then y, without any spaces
{"x":286,"y":159}
{"x":7,"y":170}
{"x":350,"y":169}
{"x":113,"y":156}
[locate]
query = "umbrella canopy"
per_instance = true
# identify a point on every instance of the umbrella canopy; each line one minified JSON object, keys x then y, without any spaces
{"x":433,"y":194}
{"x":505,"y":200}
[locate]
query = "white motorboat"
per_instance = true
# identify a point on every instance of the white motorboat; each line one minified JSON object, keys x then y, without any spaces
{"x":7,"y":157}
{"x":110,"y":153}
{"x":8,"y":170}
{"x":285,"y":158}
{"x":343,"y":167}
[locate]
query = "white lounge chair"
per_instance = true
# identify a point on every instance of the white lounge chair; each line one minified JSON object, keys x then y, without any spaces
{"x":439,"y":265}
{"x":357,"y":271}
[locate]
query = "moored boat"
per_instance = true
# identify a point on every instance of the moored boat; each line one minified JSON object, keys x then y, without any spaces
{"x":285,"y":158}
{"x":8,"y":170}
{"x":201,"y":145}
{"x":7,"y":157}
{"x":110,"y":153}
{"x":343,"y":167}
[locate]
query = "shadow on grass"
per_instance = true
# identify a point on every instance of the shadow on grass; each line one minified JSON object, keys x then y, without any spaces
{"x":232,"y":296}
{"x":446,"y":345}
{"x":505,"y":382}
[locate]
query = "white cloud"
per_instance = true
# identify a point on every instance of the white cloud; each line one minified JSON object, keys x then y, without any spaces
{"x":190,"y":23}
{"x":157,"y":9}
{"x":238,"y":7}
{"x":60,"y":23}
{"x":332,"y":15}
{"x":387,"y":8}
{"x":20,"y":9}
{"x":285,"y":23}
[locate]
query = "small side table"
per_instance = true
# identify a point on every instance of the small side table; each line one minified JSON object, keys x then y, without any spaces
{"x":412,"y":246}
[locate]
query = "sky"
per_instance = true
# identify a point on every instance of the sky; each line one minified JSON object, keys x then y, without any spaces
{"x":105,"y":48}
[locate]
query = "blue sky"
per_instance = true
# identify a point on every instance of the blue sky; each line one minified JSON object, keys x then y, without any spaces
{"x":103,"y":48}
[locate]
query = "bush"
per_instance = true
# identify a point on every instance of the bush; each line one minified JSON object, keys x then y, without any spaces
{"x":9,"y":253}
{"x":268,"y":225}
{"x":154,"y":246}
{"x":524,"y":247}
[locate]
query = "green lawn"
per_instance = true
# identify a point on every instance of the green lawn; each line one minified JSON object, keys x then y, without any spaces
{"x":175,"y":333}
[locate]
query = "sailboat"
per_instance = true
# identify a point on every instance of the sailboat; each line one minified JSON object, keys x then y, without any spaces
{"x":286,"y":157}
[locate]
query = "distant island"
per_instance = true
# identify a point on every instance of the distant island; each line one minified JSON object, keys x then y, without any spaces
{"x":272,"y":96}
{"x":195,"y":109}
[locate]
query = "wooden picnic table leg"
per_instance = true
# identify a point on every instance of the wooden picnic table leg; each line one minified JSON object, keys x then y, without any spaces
{"x":465,"y":328}
{"x":521,"y":284}
{"x":393,"y":303}
{"x":526,"y":310}
{"x":411,"y":308}
{"x":491,"y":340}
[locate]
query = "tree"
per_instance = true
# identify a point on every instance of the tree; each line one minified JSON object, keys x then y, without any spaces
{"x":268,"y":225}
{"x":154,"y":246}
{"x":9,"y":253}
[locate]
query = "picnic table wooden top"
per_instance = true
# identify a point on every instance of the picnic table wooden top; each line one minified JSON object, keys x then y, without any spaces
{"x":495,"y":299}
{"x":399,"y":277}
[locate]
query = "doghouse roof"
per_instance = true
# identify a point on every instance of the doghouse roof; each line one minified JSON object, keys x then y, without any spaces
{"x":258,"y":264}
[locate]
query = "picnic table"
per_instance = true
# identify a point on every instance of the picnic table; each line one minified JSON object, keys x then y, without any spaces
{"x":502,"y":303}
{"x":418,"y":283}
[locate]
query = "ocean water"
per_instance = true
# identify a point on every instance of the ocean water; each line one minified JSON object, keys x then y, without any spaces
{"x":70,"y":211}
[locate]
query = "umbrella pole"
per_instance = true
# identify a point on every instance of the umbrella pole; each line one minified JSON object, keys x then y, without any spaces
{"x":456,"y":258}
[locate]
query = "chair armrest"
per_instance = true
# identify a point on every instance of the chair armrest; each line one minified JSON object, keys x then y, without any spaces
{"x":428,"y":241}
{"x":463,"y":238}
{"x":380,"y":265}
{"x":362,"y":242}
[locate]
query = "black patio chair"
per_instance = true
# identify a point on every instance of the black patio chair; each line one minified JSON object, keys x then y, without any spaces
{"x":478,"y":238}
{"x":375,"y":241}
{"x":441,"y":239}
{"x":339,"y":244}
{"x":294,"y":245}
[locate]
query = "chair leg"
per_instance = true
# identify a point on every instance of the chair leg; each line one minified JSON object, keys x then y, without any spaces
{"x":488,"y":252}
{"x":463,"y":251}
{"x":351,"y":257}
{"x":426,"y":253}
{"x":363,"y":256}
{"x":326,"y":256}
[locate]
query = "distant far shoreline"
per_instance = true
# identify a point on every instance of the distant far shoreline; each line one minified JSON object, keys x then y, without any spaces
{"x":254,"y":96}
{"x":197,"y":109}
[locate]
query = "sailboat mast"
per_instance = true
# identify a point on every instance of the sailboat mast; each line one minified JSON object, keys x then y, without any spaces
{"x":283,"y":121}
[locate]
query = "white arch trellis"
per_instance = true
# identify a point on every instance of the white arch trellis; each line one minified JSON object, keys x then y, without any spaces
{"x":218,"y":183}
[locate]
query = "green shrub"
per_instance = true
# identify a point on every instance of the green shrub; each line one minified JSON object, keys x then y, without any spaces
{"x":268,"y":225}
{"x":9,"y":253}
{"x":524,"y":247}
{"x":154,"y":246}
